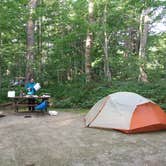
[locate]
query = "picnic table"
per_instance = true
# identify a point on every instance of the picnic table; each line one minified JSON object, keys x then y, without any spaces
{"x":23,"y":101}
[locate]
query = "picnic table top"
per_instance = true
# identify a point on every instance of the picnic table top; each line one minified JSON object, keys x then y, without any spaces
{"x":31,"y":96}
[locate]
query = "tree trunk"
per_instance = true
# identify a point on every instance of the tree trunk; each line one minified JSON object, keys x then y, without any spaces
{"x":30,"y":41}
{"x":40,"y":45}
{"x":89,"y":41}
{"x":1,"y":61}
{"x":131,"y":43}
{"x":134,"y":38}
{"x":143,"y":41}
{"x":107,"y":71}
{"x":0,"y":76}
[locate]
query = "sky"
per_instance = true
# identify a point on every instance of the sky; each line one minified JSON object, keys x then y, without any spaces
{"x":160,"y":25}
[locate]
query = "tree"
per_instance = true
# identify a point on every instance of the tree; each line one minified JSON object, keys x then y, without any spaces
{"x":30,"y":41}
{"x":89,"y":40}
{"x":0,"y":64}
{"x":144,"y":19}
{"x":107,"y":71}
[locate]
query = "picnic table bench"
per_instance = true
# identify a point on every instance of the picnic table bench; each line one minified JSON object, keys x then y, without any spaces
{"x":23,"y":101}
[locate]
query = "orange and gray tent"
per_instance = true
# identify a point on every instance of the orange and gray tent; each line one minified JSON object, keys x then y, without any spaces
{"x":127,"y":112}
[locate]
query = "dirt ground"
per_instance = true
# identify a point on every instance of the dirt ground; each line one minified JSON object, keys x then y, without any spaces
{"x":62,"y":140}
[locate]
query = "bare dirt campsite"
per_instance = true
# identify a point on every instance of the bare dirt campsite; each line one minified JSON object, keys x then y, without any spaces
{"x":59,"y":55}
{"x":62,"y":140}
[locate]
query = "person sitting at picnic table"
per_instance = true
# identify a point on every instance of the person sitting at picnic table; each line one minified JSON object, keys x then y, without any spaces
{"x":31,"y":91}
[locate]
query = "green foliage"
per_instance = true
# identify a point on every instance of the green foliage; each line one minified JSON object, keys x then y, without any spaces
{"x":60,"y":33}
{"x":76,"y":95}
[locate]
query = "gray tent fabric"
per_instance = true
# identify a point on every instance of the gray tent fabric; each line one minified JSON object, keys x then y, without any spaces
{"x":115,"y":110}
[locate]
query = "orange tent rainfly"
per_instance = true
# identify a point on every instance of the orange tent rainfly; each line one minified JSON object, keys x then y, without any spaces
{"x":127,"y":112}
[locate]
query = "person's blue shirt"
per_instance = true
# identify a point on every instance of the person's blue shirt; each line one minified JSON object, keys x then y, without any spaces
{"x":30,"y":88}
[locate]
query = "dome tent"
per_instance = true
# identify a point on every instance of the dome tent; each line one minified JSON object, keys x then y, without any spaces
{"x":127,"y":112}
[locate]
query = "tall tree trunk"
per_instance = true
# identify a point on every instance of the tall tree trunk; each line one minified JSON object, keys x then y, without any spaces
{"x":0,"y":75}
{"x":143,"y":41}
{"x":1,"y":61}
{"x":131,"y":43}
{"x":89,"y":40}
{"x":40,"y":44}
{"x":30,"y":41}
{"x":134,"y":38}
{"x":107,"y":71}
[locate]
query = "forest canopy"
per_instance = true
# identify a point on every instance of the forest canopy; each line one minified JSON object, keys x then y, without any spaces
{"x":82,"y":50}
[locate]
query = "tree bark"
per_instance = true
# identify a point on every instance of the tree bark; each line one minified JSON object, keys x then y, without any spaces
{"x":40,"y":45}
{"x":131,"y":42}
{"x":1,"y":61}
{"x":143,"y":41}
{"x":30,"y":42}
{"x":107,"y":71}
{"x":89,"y":41}
{"x":0,"y":75}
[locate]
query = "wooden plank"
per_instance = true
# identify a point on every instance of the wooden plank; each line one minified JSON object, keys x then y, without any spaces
{"x":6,"y":104}
{"x":25,"y":105}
